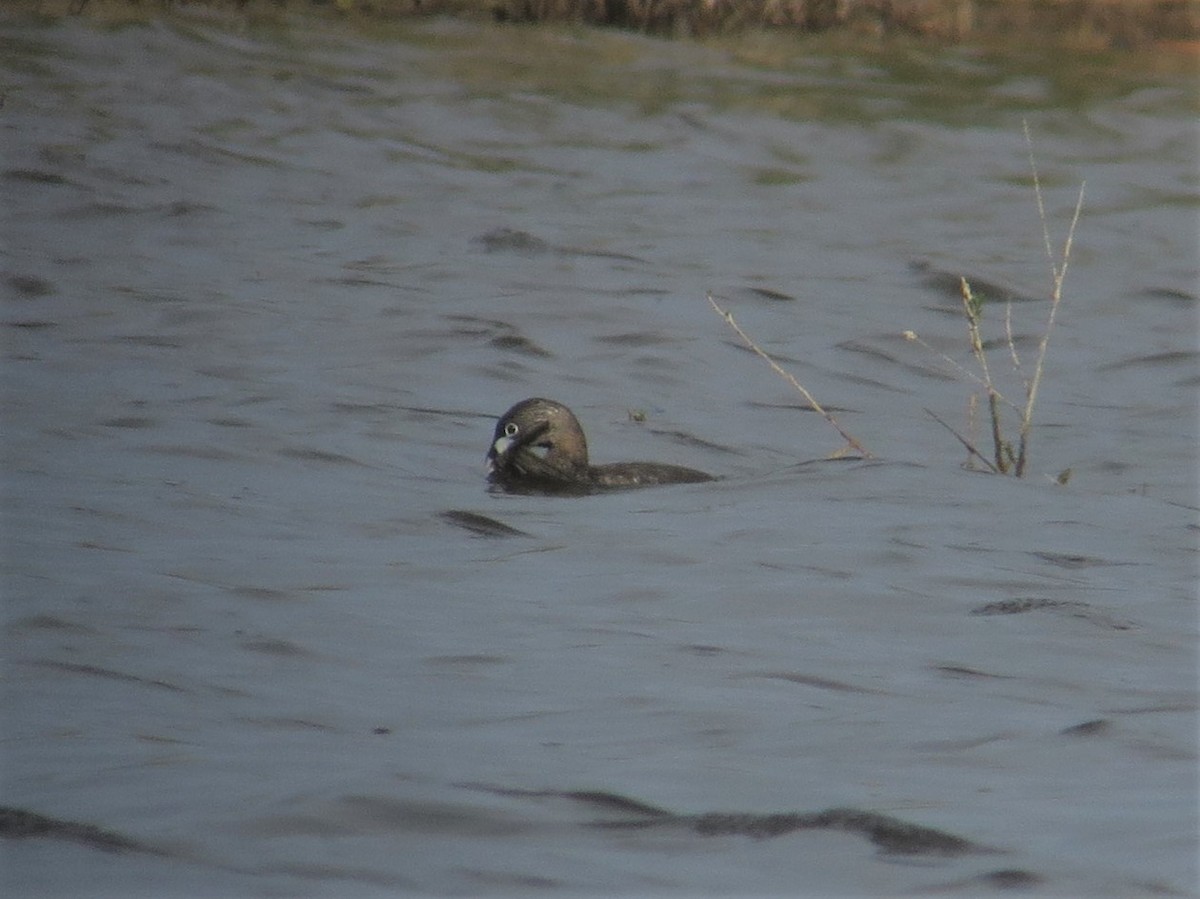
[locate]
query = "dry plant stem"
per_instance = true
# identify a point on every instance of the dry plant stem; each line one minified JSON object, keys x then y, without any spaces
{"x":969,"y":375}
{"x":964,"y":441}
{"x":1008,"y":333}
{"x":728,"y":316}
{"x":972,"y":422}
{"x":1060,"y":274}
{"x":1005,"y":458}
{"x":972,"y":307}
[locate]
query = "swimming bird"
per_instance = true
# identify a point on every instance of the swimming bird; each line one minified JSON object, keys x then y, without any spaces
{"x":539,"y":447}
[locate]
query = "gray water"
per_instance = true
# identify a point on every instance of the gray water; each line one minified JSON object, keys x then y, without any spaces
{"x":265,"y":289}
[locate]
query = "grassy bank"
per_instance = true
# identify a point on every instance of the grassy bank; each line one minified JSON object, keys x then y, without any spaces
{"x":1102,"y":24}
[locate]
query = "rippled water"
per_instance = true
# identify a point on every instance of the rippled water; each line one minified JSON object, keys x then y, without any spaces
{"x":266,"y":632}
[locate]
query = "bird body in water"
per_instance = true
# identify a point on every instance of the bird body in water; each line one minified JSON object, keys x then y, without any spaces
{"x":539,"y":447}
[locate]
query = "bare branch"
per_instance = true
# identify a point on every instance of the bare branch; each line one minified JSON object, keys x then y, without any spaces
{"x":728,"y":316}
{"x":964,"y":441}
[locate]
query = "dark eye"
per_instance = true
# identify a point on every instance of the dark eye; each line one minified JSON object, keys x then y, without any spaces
{"x":511,"y":429}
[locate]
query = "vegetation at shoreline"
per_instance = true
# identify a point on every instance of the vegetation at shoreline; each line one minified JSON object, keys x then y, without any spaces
{"x":1093,"y":24}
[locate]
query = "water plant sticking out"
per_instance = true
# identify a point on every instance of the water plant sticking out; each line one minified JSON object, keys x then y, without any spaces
{"x":852,"y":444}
{"x":1005,"y":458}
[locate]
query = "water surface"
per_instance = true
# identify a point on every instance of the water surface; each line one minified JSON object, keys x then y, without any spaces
{"x":265,"y":289}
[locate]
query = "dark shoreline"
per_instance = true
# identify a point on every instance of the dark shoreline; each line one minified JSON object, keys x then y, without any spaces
{"x":1084,"y":24}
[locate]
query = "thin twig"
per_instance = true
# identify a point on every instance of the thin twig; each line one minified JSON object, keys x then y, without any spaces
{"x":1008,"y":333}
{"x":972,"y":421}
{"x":916,"y":338}
{"x":1037,"y":192}
{"x":964,"y":441}
{"x":973,"y":308}
{"x":728,"y":316}
{"x":1060,"y":274}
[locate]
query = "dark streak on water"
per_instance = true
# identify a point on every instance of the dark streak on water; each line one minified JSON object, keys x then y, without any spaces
{"x":481,"y":525}
{"x":890,"y":834}
{"x":19,"y":824}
